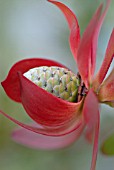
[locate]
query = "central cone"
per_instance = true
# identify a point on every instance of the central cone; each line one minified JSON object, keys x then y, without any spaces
{"x":59,"y":81}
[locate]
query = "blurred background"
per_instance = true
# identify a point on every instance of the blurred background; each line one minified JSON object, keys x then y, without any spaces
{"x":36,"y":28}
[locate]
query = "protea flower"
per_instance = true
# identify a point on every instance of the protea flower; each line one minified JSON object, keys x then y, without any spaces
{"x":60,"y":119}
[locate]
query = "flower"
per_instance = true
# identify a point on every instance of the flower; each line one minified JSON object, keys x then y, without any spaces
{"x":58,"y":123}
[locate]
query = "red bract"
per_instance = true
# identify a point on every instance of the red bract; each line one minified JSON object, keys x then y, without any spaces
{"x":58,"y":123}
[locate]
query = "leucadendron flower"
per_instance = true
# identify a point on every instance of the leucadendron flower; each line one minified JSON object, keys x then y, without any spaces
{"x":62,"y":104}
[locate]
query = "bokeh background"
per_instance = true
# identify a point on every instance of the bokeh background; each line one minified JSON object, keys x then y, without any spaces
{"x":36,"y":28}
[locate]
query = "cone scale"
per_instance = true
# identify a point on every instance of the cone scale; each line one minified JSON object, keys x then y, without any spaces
{"x":60,"y":82}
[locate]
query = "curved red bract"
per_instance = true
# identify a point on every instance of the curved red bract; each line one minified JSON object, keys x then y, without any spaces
{"x":59,"y":131}
{"x":109,"y":55}
{"x":56,"y":117}
{"x":72,"y":21}
{"x":38,"y":141}
{"x":11,"y":84}
{"x":86,"y":57}
{"x":106,"y":91}
{"x":56,"y":111}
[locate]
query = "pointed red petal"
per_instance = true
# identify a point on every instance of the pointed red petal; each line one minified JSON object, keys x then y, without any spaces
{"x":106,"y":91}
{"x":87,"y":50}
{"x":45,"y":108}
{"x":11,"y":84}
{"x":96,"y":35}
{"x":38,"y":141}
{"x":106,"y":63}
{"x":73,"y":25}
{"x":90,"y":109}
{"x":91,"y":115}
{"x":84,"y":57}
{"x":60,"y":131}
{"x":95,"y":146}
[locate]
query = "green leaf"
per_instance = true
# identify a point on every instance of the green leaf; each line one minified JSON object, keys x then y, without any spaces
{"x":107,"y":147}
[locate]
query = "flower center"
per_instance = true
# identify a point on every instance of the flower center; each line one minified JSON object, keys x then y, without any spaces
{"x":60,"y":82}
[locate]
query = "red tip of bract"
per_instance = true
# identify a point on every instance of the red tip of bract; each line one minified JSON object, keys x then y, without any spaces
{"x":45,"y":108}
{"x":106,"y":62}
{"x":11,"y":84}
{"x":91,"y":115}
{"x":38,"y":141}
{"x":106,"y":92}
{"x":73,"y":25}
{"x":86,"y":56}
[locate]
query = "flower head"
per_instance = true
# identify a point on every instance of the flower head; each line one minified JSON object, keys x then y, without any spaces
{"x":53,"y":115}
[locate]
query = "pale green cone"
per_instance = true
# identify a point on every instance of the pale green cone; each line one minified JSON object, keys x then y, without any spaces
{"x":59,"y":81}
